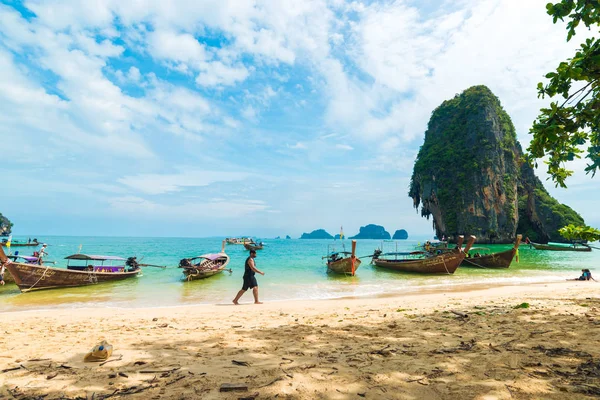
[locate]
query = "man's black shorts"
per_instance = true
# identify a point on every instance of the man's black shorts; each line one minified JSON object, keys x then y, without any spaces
{"x":249,"y":282}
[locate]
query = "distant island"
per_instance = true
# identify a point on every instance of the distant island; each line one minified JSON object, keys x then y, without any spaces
{"x":317,"y":234}
{"x":287,"y":237}
{"x":372,"y":231}
{"x":400,"y":234}
{"x":5,"y":226}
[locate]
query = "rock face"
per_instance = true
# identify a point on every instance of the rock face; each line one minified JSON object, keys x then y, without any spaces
{"x":400,"y":234}
{"x":287,"y":237}
{"x":372,"y":231}
{"x":5,"y":226}
{"x":470,"y":178}
{"x":317,"y":234}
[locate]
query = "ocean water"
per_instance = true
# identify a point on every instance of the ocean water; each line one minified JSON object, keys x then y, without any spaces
{"x":294,"y":270}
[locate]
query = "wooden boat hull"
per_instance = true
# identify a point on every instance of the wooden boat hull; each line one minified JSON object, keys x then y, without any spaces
{"x":250,"y":247}
{"x":343,"y":266}
{"x":539,"y":246}
{"x":442,"y":264}
{"x":29,"y":277}
{"x":193,"y":274}
{"x":496,"y":260}
{"x":34,"y":244}
{"x":501,"y":259}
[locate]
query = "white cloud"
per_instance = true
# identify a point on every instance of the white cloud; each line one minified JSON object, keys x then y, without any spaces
{"x":249,"y":113}
{"x":90,"y":46}
{"x":344,"y":147}
{"x":298,"y":145}
{"x":416,"y":61}
{"x":217,"y":73}
{"x":168,"y":45}
{"x":213,"y":209}
{"x":165,"y":183}
{"x":134,"y":74}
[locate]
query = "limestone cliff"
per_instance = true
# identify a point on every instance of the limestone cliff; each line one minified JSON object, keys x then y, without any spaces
{"x":5,"y":226}
{"x":470,"y":178}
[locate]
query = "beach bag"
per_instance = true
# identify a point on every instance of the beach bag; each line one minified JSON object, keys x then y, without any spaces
{"x":100,"y":352}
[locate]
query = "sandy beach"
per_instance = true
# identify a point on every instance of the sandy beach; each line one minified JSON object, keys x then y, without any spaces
{"x":465,"y":344}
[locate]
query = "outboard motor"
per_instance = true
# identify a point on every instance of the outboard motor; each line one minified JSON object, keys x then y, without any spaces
{"x":132,"y":263}
{"x":184,"y":263}
{"x":376,"y":254}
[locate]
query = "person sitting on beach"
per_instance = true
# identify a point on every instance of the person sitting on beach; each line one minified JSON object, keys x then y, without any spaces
{"x":586,"y":275}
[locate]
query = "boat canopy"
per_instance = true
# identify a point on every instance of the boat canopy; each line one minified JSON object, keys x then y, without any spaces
{"x":93,"y":257}
{"x":211,"y":257}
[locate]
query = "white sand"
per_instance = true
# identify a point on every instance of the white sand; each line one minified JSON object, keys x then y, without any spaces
{"x":402,"y":347}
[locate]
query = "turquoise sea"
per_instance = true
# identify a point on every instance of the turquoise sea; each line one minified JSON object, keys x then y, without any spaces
{"x":294,"y":270}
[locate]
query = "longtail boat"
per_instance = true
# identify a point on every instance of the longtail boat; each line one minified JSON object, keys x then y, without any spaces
{"x":239,"y":240}
{"x":256,"y":246}
{"x":336,"y":262}
{"x":554,"y":247}
{"x":494,"y":260}
{"x":445,"y":263}
{"x":20,"y":244}
{"x":204,"y":266}
{"x":29,"y":277}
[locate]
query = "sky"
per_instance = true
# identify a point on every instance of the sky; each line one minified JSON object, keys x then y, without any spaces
{"x":249,"y":117}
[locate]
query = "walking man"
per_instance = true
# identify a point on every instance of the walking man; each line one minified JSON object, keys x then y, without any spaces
{"x":249,"y":279}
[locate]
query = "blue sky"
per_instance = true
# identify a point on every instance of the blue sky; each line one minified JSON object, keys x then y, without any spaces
{"x":267,"y":118}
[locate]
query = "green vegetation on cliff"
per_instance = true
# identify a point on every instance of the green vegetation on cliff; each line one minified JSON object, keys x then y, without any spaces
{"x":5,"y":226}
{"x":550,"y":213}
{"x":470,"y":178}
